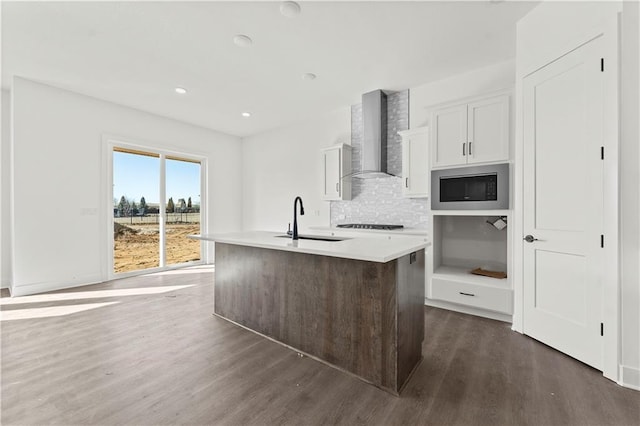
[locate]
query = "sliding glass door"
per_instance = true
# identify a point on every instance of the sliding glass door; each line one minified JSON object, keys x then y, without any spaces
{"x":156,"y":205}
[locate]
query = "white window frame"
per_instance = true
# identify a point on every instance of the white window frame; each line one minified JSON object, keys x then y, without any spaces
{"x":109,"y":144}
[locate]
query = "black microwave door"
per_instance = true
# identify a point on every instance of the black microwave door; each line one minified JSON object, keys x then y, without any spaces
{"x":452,"y":189}
{"x":471,"y":188}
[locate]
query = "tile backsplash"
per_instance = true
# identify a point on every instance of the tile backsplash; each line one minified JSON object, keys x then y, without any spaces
{"x":379,"y":200}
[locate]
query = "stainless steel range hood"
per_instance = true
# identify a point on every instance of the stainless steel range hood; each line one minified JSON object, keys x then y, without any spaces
{"x":374,"y":137}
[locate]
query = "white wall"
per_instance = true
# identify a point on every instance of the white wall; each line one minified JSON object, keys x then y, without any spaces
{"x":473,"y":83}
{"x":59,"y":178}
{"x":281,"y":164}
{"x":630,"y":193}
{"x":5,"y":229}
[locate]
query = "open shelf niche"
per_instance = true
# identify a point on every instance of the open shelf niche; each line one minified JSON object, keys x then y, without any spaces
{"x":463,"y":243}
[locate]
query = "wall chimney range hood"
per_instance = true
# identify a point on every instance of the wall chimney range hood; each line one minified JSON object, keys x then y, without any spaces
{"x":374,"y":135}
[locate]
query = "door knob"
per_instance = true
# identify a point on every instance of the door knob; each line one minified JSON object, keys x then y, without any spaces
{"x":530,"y":238}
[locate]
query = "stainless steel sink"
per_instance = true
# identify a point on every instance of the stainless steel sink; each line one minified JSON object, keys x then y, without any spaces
{"x":314,"y":238}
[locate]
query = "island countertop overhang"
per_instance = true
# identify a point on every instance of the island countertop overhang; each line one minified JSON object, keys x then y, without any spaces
{"x":372,"y":249}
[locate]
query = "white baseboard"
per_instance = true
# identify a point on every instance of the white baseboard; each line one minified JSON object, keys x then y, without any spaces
{"x":37,"y":288}
{"x":629,"y":377}
{"x":468,"y":310}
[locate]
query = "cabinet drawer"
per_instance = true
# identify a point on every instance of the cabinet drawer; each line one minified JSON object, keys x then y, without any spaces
{"x":484,"y":297}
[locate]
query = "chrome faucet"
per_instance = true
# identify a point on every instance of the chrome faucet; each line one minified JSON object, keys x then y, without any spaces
{"x":295,"y":217}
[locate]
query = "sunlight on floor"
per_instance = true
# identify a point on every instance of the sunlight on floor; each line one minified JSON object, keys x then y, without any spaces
{"x":183,"y":271}
{"x":51,"y":311}
{"x":54,"y":297}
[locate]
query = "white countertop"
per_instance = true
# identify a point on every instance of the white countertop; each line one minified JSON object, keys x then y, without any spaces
{"x":372,"y":249}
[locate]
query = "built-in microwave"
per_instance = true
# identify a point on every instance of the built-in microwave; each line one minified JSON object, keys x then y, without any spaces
{"x":471,"y":188}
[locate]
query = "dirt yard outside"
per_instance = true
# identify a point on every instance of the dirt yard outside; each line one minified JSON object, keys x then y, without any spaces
{"x":136,"y":246}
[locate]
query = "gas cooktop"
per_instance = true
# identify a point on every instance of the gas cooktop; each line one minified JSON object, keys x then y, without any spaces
{"x":370,"y":226}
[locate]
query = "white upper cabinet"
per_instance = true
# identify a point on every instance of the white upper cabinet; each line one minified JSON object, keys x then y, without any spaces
{"x":449,"y":141}
{"x":473,"y":132}
{"x":488,"y":130}
{"x":415,"y":162}
{"x":336,"y":171}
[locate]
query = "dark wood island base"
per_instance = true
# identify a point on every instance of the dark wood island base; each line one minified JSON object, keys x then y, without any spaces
{"x":363,"y":317}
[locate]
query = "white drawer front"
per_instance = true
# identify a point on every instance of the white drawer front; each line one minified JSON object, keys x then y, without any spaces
{"x":490,"y":298}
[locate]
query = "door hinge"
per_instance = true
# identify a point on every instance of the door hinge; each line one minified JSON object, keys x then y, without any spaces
{"x":601,"y":64}
{"x":602,"y":329}
{"x":602,"y":152}
{"x":602,"y":240}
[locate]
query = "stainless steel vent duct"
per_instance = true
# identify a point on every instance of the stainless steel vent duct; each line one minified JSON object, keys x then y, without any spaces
{"x":374,"y":138}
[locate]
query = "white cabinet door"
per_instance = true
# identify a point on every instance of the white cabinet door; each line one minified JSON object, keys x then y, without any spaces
{"x":563,"y":204}
{"x":415,"y":163}
{"x":449,"y":141}
{"x":336,"y":173}
{"x":469,"y":133}
{"x":331,"y":174}
{"x":488,"y":130}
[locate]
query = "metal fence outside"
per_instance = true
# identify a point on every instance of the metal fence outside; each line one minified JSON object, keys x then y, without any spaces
{"x":155,"y":218}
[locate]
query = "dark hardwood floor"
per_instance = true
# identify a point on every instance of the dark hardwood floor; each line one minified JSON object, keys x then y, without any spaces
{"x":141,"y":351}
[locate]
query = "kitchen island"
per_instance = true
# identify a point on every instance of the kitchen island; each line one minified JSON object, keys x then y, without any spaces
{"x":356,"y":303}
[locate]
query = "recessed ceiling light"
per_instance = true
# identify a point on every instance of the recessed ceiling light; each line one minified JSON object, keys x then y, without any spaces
{"x":242,"y":40}
{"x":290,"y":9}
{"x":309,"y":76}
{"x":246,"y":114}
{"x":181,"y":90}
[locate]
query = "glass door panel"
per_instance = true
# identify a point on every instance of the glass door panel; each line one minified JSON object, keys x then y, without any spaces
{"x":182,"y":210}
{"x":136,"y":202}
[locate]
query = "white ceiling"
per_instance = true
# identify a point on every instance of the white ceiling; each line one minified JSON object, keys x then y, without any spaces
{"x":136,"y":53}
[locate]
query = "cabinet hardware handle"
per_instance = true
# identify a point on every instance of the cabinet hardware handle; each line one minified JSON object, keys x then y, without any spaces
{"x":470,"y":148}
{"x":466,"y":294}
{"x":406,"y":182}
{"x":337,"y":186}
{"x":464,"y":149}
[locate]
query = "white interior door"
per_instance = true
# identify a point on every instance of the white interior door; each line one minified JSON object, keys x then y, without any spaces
{"x":563,"y":203}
